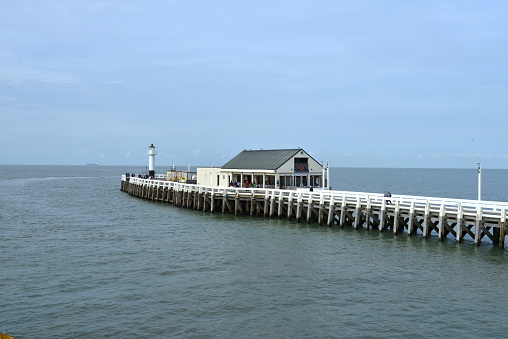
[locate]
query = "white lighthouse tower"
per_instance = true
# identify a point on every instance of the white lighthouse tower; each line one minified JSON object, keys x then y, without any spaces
{"x":151,"y":160}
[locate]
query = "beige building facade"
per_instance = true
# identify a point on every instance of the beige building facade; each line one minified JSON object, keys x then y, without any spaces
{"x":283,"y":168}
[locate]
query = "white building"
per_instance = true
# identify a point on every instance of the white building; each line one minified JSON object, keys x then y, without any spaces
{"x":282,"y":168}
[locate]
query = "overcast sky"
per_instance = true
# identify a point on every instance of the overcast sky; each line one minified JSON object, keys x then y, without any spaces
{"x":359,"y":83}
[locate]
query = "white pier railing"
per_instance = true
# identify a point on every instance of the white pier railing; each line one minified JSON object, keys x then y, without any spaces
{"x":459,"y":217}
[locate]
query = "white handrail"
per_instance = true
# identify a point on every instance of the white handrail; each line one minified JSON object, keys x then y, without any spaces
{"x":468,"y":207}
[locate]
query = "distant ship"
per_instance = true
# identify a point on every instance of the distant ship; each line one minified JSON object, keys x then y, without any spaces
{"x":93,"y":164}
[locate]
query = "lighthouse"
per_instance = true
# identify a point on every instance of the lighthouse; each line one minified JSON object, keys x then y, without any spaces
{"x":151,"y":160}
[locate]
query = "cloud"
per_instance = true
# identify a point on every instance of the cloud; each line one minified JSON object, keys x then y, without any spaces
{"x":219,"y":153}
{"x":128,"y":154}
{"x":115,"y":82}
{"x":467,"y":155}
{"x":197,"y":152}
{"x":19,"y":75}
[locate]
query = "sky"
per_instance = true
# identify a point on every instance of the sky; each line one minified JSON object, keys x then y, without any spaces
{"x":358,"y":83}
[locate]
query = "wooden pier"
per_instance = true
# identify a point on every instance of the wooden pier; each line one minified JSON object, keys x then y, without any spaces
{"x":411,"y":215}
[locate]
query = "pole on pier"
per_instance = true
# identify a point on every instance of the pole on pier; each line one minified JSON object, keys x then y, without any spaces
{"x":479,"y":181}
{"x":323,"y":184}
{"x":328,"y":175}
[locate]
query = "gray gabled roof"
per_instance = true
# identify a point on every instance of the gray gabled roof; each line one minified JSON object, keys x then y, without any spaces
{"x":261,"y":159}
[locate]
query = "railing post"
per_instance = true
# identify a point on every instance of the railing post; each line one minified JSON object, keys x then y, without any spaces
{"x":298,"y":206}
{"x":460,"y":230}
{"x":410,"y":224}
{"x":309,"y":207}
{"x":382,"y":215}
{"x":212,"y":201}
{"x":441,"y":222}
{"x":396,"y":217}
{"x":426,"y":220}
{"x":502,"y":229}
{"x":320,"y":208}
{"x":331,"y":210}
{"x":290,"y":205}
{"x":478,"y":226}
{"x":343,"y":211}
{"x":358,"y":217}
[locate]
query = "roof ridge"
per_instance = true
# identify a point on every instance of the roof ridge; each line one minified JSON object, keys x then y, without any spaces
{"x":275,"y":149}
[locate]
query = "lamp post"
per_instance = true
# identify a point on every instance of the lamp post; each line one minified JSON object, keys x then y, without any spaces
{"x":479,"y":181}
{"x":324,"y":175}
{"x":327,"y":165}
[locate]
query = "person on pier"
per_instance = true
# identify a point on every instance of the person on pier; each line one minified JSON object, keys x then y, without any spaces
{"x":388,"y":195}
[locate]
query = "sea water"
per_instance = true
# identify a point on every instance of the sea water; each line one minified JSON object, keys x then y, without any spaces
{"x":80,"y":259}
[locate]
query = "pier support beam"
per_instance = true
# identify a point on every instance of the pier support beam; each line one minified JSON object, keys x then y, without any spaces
{"x":309,"y":209}
{"x":382,"y":215}
{"x":331,"y":211}
{"x":321,"y":209}
{"x":343,"y":210}
{"x":357,"y":218}
{"x":290,"y":205}
{"x":478,"y":228}
{"x":426,"y":220}
{"x":460,"y":226}
{"x":396,"y":218}
{"x":411,"y":221}
{"x":280,"y":207}
{"x":441,"y":225}
{"x":299,"y":207}
{"x":502,"y":234}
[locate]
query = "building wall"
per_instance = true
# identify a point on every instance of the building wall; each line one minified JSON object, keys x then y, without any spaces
{"x":224,"y":178}
{"x":208,"y":176}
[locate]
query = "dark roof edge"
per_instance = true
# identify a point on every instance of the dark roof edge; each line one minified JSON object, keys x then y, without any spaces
{"x":315,"y":160}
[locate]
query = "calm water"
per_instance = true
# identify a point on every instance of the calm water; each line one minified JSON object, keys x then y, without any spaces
{"x":79,"y":259}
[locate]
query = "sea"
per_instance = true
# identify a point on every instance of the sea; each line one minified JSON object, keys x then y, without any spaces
{"x":81,"y":259}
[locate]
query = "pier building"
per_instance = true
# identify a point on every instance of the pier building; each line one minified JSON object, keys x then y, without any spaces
{"x":280,"y":168}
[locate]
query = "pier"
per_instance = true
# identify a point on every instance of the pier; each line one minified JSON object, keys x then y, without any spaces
{"x":400,"y":214}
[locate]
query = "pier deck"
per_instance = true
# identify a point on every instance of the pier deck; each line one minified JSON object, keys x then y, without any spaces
{"x":426,"y":216}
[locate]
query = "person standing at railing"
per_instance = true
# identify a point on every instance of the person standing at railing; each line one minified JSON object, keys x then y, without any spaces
{"x":388,"y":195}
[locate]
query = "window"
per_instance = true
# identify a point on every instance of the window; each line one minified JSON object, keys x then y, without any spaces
{"x":301,"y":165}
